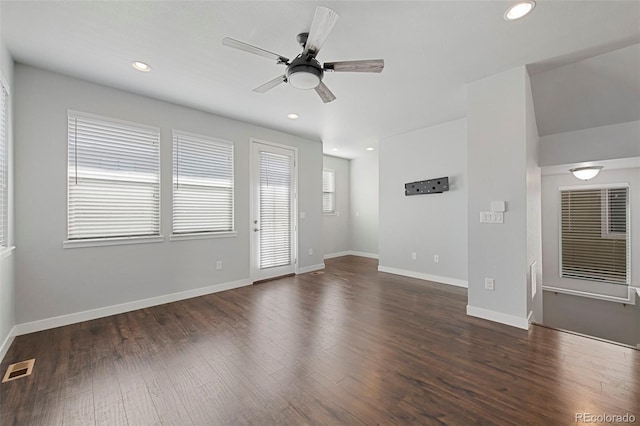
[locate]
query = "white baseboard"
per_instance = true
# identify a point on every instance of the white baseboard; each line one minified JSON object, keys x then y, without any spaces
{"x":422,"y":276}
{"x":45,"y":324}
{"x":351,"y":253}
{"x":311,"y":268}
{"x":363,"y":254}
{"x":339,"y":254}
{"x":494,"y":316}
{"x":7,"y":343}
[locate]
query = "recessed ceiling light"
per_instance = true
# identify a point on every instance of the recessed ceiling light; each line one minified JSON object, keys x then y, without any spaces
{"x":370,"y":148}
{"x":334,"y":149}
{"x":293,"y":116}
{"x":519,"y":10}
{"x":141,"y":66}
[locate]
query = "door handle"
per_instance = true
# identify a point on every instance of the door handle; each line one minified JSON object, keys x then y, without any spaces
{"x":255,"y":229}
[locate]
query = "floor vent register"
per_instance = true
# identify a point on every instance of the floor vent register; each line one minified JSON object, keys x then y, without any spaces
{"x":19,"y":370}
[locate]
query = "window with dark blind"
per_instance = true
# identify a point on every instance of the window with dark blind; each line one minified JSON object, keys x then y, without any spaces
{"x":4,"y":166}
{"x":113,"y":178}
{"x":328,"y":191}
{"x":202,"y":184}
{"x":595,"y":234}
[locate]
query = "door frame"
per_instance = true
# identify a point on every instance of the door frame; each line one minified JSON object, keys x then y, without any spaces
{"x":253,"y":267}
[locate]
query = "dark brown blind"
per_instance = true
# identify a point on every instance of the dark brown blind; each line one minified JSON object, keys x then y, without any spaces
{"x":594,"y":234}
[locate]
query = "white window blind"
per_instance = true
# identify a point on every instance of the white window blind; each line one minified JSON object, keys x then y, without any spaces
{"x":4,"y":166}
{"x":328,"y":191}
{"x":114,"y":178}
{"x":595,"y":234}
{"x":275,"y":209}
{"x":202,"y":184}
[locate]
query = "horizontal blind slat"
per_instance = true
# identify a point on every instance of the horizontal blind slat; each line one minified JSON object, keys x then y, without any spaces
{"x":203,"y":184}
{"x":4,"y":166}
{"x":594,"y":234}
{"x":275,"y":210}
{"x":114,"y":179}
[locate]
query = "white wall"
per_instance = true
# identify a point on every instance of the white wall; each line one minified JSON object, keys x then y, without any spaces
{"x":7,"y":260}
{"x":430,"y":224}
{"x":336,"y":226}
{"x":364,"y":219}
{"x":497,"y":171}
{"x":597,"y":91}
{"x":598,"y":143}
{"x":52,"y":281}
{"x":551,"y":229}
{"x":534,"y":210}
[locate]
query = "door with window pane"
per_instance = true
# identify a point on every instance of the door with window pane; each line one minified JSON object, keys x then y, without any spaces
{"x":273,"y":211}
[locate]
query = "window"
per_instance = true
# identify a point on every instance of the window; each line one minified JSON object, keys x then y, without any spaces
{"x":276,"y":201}
{"x":4,"y":166}
{"x":614,"y":213}
{"x":328,"y":191}
{"x":594,"y":233}
{"x":202,"y":184}
{"x":113,"y":178}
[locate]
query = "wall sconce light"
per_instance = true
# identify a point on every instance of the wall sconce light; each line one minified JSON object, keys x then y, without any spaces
{"x":586,"y":173}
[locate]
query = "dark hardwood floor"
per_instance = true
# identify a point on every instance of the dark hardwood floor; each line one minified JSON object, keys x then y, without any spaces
{"x":350,"y":346}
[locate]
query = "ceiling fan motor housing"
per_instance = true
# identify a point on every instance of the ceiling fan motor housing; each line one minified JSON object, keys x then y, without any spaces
{"x":304,"y":72}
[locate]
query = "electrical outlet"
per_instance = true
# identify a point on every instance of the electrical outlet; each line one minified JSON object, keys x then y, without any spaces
{"x":436,"y":258}
{"x":414,"y":256}
{"x":310,"y":252}
{"x":489,"y":284}
{"x":219,"y":264}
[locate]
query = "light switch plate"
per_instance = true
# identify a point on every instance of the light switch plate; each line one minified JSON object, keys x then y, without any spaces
{"x":498,"y":206}
{"x":491,"y":217}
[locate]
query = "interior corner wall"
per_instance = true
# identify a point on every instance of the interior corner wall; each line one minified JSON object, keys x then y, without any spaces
{"x":52,"y":281}
{"x":364,"y":218}
{"x":428,"y":224}
{"x":497,"y":164}
{"x":7,"y":263}
{"x":336,"y":225}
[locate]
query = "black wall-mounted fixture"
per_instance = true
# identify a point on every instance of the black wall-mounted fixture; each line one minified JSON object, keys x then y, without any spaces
{"x":431,"y":186}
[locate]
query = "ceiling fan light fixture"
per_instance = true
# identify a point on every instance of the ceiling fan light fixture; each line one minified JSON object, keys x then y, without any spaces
{"x":519,"y":10}
{"x":586,"y":173}
{"x":304,"y":77}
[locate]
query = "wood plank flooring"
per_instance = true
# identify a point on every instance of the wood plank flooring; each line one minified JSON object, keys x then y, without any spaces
{"x":351,"y":346}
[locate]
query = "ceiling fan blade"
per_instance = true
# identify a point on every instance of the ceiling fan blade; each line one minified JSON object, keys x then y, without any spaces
{"x":236,"y":44}
{"x":367,"y":65}
{"x":323,"y":21}
{"x":270,"y":84}
{"x":325,"y":94}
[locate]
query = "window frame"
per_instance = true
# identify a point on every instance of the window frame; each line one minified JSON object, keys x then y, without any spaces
{"x":4,"y":165}
{"x":333,"y":212}
{"x":123,"y":239}
{"x":606,"y":216}
{"x":5,"y":191}
{"x":204,"y":234}
{"x":627,"y":235}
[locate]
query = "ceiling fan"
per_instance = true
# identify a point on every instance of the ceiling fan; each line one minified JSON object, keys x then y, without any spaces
{"x":304,"y":71}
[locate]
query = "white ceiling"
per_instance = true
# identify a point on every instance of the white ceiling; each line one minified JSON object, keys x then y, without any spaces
{"x":431,"y":50}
